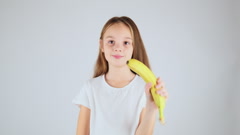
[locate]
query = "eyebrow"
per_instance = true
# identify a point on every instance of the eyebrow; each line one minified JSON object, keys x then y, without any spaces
{"x":124,"y":37}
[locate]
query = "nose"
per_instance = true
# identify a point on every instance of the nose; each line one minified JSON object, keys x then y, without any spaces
{"x":118,"y":48}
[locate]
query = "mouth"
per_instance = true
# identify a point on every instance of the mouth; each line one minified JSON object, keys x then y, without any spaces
{"x":117,"y":56}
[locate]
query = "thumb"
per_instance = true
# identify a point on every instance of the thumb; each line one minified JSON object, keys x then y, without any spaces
{"x":147,"y":89}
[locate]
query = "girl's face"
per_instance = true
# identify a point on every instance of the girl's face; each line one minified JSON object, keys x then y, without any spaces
{"x":117,"y":45}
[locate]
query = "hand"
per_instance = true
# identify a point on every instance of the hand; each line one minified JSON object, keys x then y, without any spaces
{"x":161,"y":90}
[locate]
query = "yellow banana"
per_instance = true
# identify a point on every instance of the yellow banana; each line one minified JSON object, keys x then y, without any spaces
{"x":148,"y":76}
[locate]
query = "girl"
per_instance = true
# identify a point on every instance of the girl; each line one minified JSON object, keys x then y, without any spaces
{"x":116,"y":101}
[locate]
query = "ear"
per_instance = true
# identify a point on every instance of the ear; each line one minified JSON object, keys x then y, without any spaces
{"x":101,"y":45}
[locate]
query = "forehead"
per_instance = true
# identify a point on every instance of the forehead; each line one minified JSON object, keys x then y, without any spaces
{"x":118,"y":30}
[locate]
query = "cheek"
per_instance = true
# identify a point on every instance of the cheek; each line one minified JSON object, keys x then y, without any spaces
{"x":107,"y":52}
{"x":106,"y":56}
{"x":130,"y":51}
{"x":107,"y":47}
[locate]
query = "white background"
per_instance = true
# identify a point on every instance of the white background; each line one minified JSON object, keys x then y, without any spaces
{"x":49,"y":47}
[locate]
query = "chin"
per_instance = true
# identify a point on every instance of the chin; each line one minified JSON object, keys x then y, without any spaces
{"x":120,"y":64}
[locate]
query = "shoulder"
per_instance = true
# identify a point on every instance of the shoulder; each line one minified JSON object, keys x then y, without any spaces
{"x":96,"y":80}
{"x":93,"y":82}
{"x":139,"y":81}
{"x":138,"y":87}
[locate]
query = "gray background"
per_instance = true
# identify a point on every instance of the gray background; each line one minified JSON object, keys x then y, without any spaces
{"x":49,"y":47}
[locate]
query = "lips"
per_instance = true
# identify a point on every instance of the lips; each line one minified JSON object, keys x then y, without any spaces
{"x":117,"y":56}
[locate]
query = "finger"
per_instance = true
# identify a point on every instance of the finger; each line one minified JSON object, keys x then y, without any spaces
{"x":148,"y":91}
{"x":162,"y":93}
{"x":147,"y":87}
{"x":166,"y":96}
{"x":160,"y":85}
{"x":159,"y":80}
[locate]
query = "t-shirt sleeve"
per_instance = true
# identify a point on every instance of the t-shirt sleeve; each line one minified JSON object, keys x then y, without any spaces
{"x":82,"y":98}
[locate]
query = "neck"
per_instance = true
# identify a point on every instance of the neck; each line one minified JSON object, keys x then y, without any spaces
{"x":119,"y":74}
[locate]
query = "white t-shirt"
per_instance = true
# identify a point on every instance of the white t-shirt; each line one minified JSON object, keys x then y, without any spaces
{"x":114,"y":111}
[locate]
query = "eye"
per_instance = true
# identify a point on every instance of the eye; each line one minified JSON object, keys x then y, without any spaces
{"x":126,"y":43}
{"x":111,"y":42}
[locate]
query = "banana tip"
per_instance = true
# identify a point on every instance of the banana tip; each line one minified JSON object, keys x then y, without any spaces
{"x":162,"y":121}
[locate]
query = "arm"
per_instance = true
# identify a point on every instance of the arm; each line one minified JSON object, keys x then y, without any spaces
{"x":149,"y":113}
{"x":83,"y":125}
{"x":147,"y":122}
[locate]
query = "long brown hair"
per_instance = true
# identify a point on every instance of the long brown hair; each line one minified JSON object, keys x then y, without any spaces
{"x":139,"y":51}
